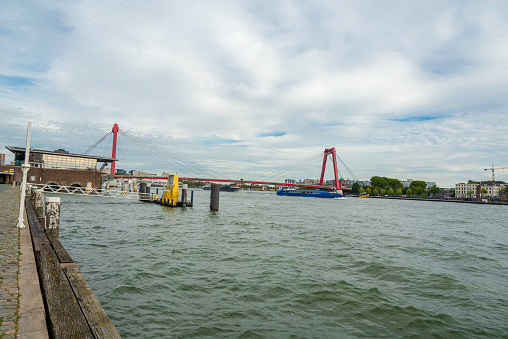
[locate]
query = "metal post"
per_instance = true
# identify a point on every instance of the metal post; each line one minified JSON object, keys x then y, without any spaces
{"x":142,"y":187}
{"x":24,"y":167}
{"x":184,"y":194}
{"x":53,"y":216}
{"x":214,"y":197}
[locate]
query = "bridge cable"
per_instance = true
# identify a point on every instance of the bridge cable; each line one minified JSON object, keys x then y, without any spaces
{"x":158,"y":152}
{"x":89,"y":149}
{"x":347,"y":168}
{"x":294,"y":169}
{"x":142,"y":148}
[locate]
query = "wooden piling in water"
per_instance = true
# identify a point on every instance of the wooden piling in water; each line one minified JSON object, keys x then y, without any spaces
{"x":214,"y":197}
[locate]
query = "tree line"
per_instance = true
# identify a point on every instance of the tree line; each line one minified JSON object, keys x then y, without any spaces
{"x":393,"y":187}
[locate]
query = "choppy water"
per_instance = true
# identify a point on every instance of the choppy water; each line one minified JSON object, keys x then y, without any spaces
{"x":284,"y":267}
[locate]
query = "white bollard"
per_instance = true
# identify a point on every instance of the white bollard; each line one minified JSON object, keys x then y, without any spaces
{"x":52,"y":216}
{"x":39,"y":202}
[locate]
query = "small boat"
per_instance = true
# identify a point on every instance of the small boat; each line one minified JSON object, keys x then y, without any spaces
{"x":363,"y":195}
{"x":293,"y":192}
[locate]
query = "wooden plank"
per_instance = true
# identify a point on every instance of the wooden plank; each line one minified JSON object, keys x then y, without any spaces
{"x":36,"y":246}
{"x":65,"y":317}
{"x":100,"y":324}
{"x":35,"y":226}
{"x":60,"y":250}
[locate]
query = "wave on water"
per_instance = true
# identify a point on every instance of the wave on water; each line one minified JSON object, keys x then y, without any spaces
{"x":270,"y":267}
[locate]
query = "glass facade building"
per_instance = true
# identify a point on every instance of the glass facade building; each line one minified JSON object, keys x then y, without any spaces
{"x":59,"y":159}
{"x":66,"y":162}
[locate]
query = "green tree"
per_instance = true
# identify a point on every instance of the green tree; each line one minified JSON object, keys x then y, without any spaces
{"x":391,"y":192}
{"x":434,"y":189}
{"x":418,"y":183}
{"x":368,"y":190}
{"x":419,"y":191}
{"x":470,"y":193}
{"x":377,"y":181}
{"x":383,"y":191}
{"x":361,"y":190}
{"x":355,"y":188}
{"x":399,"y":191}
{"x":409,"y":192}
{"x":384,"y":182}
{"x":484,"y":190}
{"x":394,"y":183}
{"x":375,"y":191}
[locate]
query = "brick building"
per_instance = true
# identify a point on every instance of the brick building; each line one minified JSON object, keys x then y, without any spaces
{"x":55,"y":167}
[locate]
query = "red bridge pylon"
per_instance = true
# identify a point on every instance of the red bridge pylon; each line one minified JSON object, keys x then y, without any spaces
{"x":329,"y":151}
{"x":113,"y":152}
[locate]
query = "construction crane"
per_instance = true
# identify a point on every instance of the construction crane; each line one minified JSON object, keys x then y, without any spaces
{"x":492,"y":169}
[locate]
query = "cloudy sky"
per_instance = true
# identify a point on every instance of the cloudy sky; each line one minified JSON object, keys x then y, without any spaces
{"x":404,"y":89}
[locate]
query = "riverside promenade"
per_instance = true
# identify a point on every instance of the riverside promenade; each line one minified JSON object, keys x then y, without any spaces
{"x":21,"y":306}
{"x":9,"y":260}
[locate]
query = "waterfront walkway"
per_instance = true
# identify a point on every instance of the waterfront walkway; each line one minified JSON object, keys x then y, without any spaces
{"x":9,"y":261}
{"x":21,"y":308}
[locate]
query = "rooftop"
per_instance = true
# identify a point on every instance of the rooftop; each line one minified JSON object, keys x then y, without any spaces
{"x":59,"y":152}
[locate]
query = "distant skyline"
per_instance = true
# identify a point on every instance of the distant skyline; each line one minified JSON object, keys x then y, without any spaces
{"x":402,"y":89}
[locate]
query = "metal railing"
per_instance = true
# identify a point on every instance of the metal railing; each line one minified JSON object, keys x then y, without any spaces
{"x":93,"y":192}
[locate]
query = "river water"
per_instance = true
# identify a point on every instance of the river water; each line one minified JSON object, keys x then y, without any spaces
{"x":265,"y":266}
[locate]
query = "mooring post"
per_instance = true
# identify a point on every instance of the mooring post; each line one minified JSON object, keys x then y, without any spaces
{"x":39,"y":203}
{"x":53,"y":216}
{"x":214,"y":197}
{"x":184,"y":194}
{"x":33,"y":189}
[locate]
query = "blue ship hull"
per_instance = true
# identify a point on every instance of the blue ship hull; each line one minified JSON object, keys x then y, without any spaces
{"x":315,"y":194}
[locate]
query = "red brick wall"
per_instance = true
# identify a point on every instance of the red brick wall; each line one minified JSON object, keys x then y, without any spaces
{"x":56,"y":176}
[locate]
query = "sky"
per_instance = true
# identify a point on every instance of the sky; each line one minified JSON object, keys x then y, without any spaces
{"x":403,"y":89}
